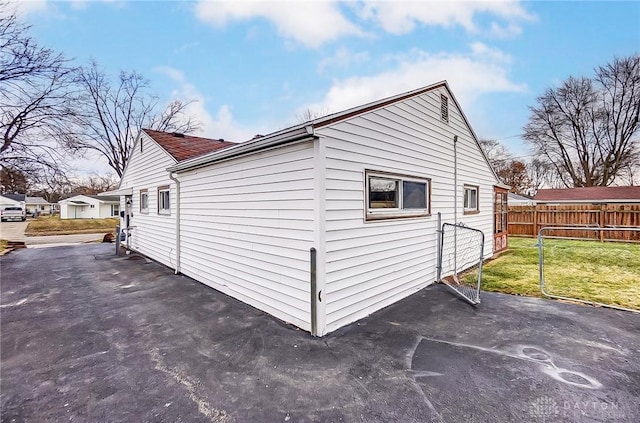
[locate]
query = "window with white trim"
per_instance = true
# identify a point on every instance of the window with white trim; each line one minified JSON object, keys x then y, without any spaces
{"x":470,"y":199}
{"x":163,"y":200}
{"x":392,"y":196}
{"x":115,"y":209}
{"x":144,"y":201}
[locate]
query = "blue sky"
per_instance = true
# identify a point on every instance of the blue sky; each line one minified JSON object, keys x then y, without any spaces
{"x":255,"y":66}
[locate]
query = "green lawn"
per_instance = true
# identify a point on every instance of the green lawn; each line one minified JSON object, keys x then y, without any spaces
{"x":589,"y":270}
{"x":46,"y":225}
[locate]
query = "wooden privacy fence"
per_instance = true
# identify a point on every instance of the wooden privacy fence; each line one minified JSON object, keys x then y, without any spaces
{"x":528,"y":220}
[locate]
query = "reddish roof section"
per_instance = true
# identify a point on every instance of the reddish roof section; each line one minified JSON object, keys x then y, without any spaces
{"x":183,"y":147}
{"x":589,"y":194}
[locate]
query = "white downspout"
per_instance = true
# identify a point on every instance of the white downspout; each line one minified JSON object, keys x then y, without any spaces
{"x":173,"y":178}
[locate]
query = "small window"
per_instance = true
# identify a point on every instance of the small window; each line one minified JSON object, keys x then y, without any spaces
{"x":141,"y":145}
{"x":144,"y":201}
{"x":444,"y":108}
{"x":396,"y":196}
{"x":470,"y":199}
{"x":115,"y":209}
{"x":93,"y":206}
{"x":163,"y":200}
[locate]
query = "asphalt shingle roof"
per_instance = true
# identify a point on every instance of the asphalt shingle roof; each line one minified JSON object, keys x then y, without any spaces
{"x":183,"y":147}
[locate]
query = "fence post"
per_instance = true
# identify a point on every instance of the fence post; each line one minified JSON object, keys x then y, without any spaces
{"x":602,"y":222}
{"x":314,"y":288}
{"x":535,"y":220}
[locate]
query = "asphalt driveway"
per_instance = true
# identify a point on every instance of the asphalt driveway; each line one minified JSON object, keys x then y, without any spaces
{"x":90,"y":337}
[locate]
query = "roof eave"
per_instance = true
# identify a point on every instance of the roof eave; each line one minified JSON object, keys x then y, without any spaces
{"x":297,"y":133}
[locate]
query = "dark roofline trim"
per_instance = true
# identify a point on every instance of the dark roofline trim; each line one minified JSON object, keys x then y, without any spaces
{"x":135,"y":146}
{"x":293,"y":133}
{"x":242,"y":149}
{"x":321,"y":122}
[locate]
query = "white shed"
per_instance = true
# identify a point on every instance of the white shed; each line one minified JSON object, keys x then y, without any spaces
{"x":346,"y":203}
{"x":89,"y":207}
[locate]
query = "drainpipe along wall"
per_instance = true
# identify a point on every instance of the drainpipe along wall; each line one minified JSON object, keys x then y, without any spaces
{"x":175,"y":179}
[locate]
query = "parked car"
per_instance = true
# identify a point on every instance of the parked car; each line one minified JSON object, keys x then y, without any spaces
{"x":12,"y":213}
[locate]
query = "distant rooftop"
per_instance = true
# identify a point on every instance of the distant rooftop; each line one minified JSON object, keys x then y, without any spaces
{"x":36,"y":200}
{"x":589,"y":194}
{"x":15,"y":197}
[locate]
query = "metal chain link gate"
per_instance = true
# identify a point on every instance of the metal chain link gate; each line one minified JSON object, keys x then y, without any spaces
{"x":461,"y":252}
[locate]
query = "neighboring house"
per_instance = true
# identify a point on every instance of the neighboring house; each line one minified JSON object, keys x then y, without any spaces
{"x":589,"y":195}
{"x":12,"y":200}
{"x":520,"y":200}
{"x":89,"y":207}
{"x":360,"y":189}
{"x":38,"y":205}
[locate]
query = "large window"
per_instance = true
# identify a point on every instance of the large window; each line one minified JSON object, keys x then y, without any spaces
{"x":163,"y":200}
{"x":470,"y":199}
{"x":392,"y":196}
{"x":144,"y":201}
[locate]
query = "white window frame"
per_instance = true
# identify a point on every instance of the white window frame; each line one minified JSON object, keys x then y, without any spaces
{"x":162,"y":207}
{"x":470,"y":208}
{"x":144,"y":208}
{"x":377,"y":214}
{"x":115,"y":212}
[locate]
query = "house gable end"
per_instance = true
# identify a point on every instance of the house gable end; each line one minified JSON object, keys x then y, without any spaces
{"x":433,"y":117}
{"x":137,"y":155}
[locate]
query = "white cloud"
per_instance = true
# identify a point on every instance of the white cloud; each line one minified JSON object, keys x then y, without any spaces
{"x":483,"y":70}
{"x":504,"y":31}
{"x":52,"y":7}
{"x":401,"y":17}
{"x":26,"y":7}
{"x":313,"y":23}
{"x":342,"y":58}
{"x":218,"y":125}
{"x":310,"y":23}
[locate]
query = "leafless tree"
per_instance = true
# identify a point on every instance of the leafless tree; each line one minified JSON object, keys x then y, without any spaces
{"x":310,"y":114}
{"x":111,"y":112}
{"x":497,"y":153}
{"x":586,"y":129}
{"x":94,"y":184}
{"x":13,"y":181}
{"x":35,"y":98}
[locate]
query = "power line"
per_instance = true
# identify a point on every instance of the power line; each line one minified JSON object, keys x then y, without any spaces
{"x":506,"y":138}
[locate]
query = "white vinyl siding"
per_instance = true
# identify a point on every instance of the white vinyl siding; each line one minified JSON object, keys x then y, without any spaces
{"x":152,"y":234}
{"x":247,"y":225}
{"x":370,"y":265}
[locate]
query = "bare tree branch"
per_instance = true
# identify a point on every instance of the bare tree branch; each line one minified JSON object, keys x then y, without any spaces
{"x":35,"y":98}
{"x":112,"y":111}
{"x":586,"y":129}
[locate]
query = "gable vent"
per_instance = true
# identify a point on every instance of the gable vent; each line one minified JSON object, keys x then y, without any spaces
{"x":444,"y":108}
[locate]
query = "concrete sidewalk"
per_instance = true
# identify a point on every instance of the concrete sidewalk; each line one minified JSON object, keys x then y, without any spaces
{"x":14,"y":231}
{"x":87,"y":336}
